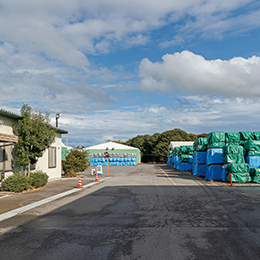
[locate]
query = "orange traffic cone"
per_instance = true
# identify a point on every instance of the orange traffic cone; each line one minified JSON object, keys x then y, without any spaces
{"x":96,"y":180}
{"x":80,"y":183}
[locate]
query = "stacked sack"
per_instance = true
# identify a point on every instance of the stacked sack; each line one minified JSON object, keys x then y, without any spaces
{"x":177,"y":158}
{"x":170,"y":158}
{"x":255,"y":174}
{"x":233,"y":156}
{"x":253,"y":153}
{"x":216,"y":142}
{"x":186,"y":155}
{"x":239,"y":172}
{"x":231,"y":138}
{"x":199,"y":158}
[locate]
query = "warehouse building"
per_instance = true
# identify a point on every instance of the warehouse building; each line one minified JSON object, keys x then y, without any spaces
{"x":119,"y":154}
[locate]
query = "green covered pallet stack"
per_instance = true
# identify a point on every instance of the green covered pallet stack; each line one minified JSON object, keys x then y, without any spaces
{"x":233,"y":153}
{"x":246,"y":136}
{"x":232,"y":138}
{"x":200,"y":144}
{"x":216,"y":139}
{"x":252,"y":148}
{"x":239,"y":172}
{"x":255,"y":174}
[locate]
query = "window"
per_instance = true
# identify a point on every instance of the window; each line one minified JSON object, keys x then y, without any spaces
{"x":52,"y":157}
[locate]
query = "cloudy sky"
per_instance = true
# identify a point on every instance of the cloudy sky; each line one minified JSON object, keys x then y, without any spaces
{"x":115,"y":69}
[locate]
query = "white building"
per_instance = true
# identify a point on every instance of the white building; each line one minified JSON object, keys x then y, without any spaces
{"x":49,"y":163}
{"x":179,"y":143}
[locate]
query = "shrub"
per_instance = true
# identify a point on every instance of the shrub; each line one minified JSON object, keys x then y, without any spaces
{"x":76,"y":161}
{"x":38,"y":179}
{"x":16,"y":183}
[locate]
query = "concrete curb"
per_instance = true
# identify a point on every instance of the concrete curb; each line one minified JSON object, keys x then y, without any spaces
{"x":20,"y":210}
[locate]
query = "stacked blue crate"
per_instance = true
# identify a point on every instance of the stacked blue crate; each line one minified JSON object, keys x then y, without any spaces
{"x":199,"y":163}
{"x":200,"y":156}
{"x":216,"y":142}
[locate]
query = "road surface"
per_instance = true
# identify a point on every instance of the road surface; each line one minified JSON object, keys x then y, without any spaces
{"x":142,"y":212}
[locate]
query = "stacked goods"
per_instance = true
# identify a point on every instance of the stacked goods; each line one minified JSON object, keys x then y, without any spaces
{"x":232,"y":138}
{"x":200,"y":144}
{"x":170,"y":158}
{"x":125,"y":159}
{"x":186,"y":154}
{"x":232,"y":153}
{"x":252,"y":153}
{"x":255,"y":174}
{"x":238,"y":171}
{"x":216,"y":142}
{"x":216,"y":139}
{"x":199,"y":160}
{"x":257,"y":135}
{"x":246,"y":136}
{"x":177,"y":158}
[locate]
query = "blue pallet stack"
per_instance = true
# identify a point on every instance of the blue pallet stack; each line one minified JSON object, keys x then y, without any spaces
{"x":199,"y":159}
{"x":216,"y":142}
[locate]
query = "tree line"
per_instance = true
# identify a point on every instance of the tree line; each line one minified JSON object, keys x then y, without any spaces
{"x":154,"y":148}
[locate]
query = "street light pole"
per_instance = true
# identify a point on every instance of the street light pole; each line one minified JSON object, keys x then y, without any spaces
{"x":57,"y":117}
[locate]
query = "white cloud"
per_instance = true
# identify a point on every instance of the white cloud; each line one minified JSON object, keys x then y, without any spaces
{"x":204,"y":114}
{"x":191,"y":73}
{"x":177,"y":40}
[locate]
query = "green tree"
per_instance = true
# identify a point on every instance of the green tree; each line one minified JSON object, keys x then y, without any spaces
{"x":35,"y":134}
{"x":76,"y":161}
{"x":160,"y":151}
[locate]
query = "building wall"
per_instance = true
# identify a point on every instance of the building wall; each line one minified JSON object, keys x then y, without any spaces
{"x":43,"y":162}
{"x":135,"y":151}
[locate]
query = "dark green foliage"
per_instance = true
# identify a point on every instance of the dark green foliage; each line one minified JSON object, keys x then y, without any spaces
{"x":155,"y":148}
{"x":35,"y":135}
{"x":38,"y":179}
{"x":16,"y":183}
{"x":76,"y":161}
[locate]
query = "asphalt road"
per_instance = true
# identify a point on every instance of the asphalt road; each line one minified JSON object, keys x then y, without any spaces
{"x":143,"y":212}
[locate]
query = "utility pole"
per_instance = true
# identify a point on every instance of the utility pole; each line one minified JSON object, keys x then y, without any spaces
{"x":57,"y":117}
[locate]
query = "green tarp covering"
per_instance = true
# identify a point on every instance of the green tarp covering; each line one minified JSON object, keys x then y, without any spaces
{"x":185,"y":158}
{"x":255,"y":174}
{"x":200,"y":144}
{"x":231,"y":158}
{"x":252,"y":145}
{"x":246,"y":136}
{"x":232,"y":138}
{"x":239,"y":177}
{"x":237,"y":168}
{"x":257,"y":135}
{"x":234,"y":149}
{"x":216,"y":139}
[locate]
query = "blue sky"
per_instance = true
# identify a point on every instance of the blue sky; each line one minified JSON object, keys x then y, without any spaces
{"x":116,"y":69}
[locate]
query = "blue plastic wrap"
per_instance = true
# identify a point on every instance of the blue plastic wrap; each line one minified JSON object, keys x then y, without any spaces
{"x":253,"y":161}
{"x":215,"y":156}
{"x":199,"y":169}
{"x":185,"y":166}
{"x":190,"y":159}
{"x":223,"y":172}
{"x":214,"y":173}
{"x":200,"y":157}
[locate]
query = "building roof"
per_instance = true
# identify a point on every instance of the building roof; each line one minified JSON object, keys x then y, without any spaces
{"x":61,"y":131}
{"x":179,"y":143}
{"x":110,"y":146}
{"x":8,"y":138}
{"x":9,"y":114}
{"x":16,"y":116}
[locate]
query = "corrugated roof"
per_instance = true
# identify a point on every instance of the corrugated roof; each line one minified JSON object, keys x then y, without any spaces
{"x":110,"y":146}
{"x":16,"y":116}
{"x":8,"y":138}
{"x":10,"y":114}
